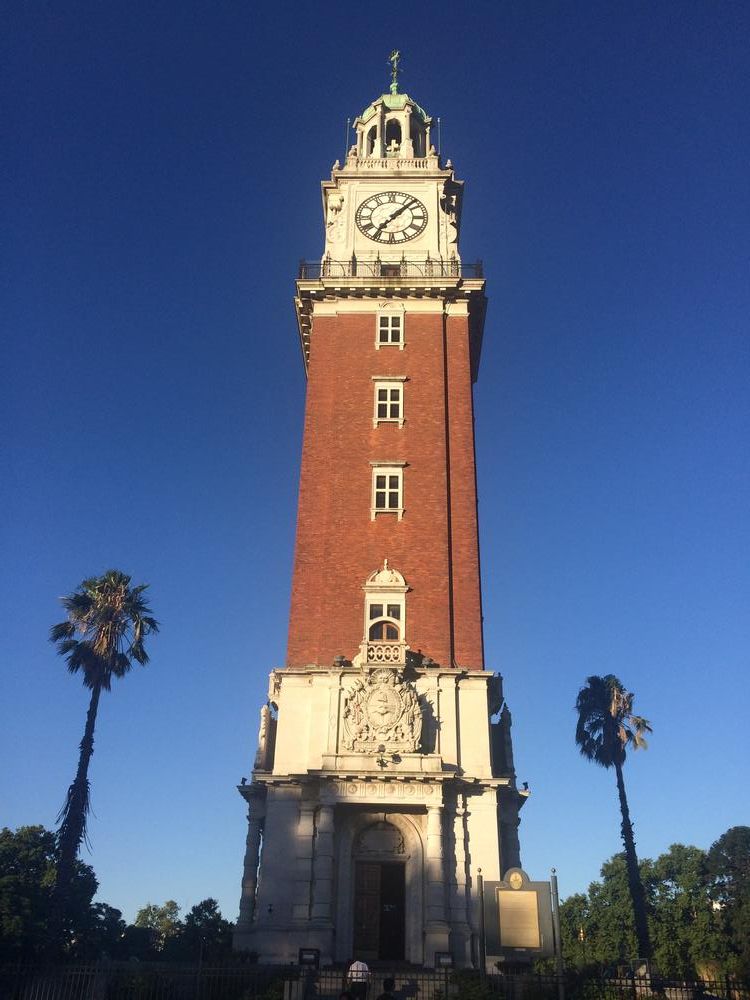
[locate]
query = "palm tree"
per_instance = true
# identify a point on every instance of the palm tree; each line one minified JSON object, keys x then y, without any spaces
{"x":606,"y":727}
{"x":101,"y":637}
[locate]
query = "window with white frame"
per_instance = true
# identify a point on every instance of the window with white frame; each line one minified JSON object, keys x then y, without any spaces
{"x":390,"y":330}
{"x":385,"y":608}
{"x":387,"y":489}
{"x":384,"y":620}
{"x":388,"y":404}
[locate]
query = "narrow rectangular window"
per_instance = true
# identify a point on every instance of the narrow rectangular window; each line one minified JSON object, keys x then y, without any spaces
{"x":390,"y":330}
{"x":387,"y":491}
{"x":388,"y":404}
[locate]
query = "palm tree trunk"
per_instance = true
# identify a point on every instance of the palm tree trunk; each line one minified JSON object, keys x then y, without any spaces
{"x":72,"y":829}
{"x":637,"y":894}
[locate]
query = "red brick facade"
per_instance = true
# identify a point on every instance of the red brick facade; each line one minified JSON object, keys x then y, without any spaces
{"x":435,"y":544}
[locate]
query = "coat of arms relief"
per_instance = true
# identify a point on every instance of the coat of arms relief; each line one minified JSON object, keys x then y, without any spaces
{"x":381,"y":710}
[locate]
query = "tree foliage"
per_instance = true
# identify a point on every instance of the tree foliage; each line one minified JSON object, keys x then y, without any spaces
{"x":206,"y":932}
{"x":28,"y":866}
{"x":204,"y":935}
{"x":691,"y":935}
{"x":93,"y":930}
{"x":728,"y":863}
{"x":162,"y":921}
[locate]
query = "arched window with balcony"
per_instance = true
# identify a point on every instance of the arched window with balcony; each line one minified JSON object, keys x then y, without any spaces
{"x":384,"y":639}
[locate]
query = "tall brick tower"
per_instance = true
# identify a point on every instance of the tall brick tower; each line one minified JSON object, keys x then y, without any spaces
{"x":384,"y":774}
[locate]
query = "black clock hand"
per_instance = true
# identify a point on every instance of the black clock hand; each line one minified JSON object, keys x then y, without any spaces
{"x":392,"y":217}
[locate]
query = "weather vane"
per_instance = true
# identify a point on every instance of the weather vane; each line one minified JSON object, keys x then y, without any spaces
{"x":394,"y":58}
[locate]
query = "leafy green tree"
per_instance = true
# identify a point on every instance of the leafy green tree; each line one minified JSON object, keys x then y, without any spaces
{"x":606,"y":727}
{"x":163,"y":922}
{"x":28,"y":864}
{"x":101,"y":935}
{"x":206,"y":933}
{"x":103,"y":634}
{"x":689,"y":935}
{"x":136,"y":943}
{"x":686,"y":932}
{"x":575,"y":931}
{"x":729,"y":872}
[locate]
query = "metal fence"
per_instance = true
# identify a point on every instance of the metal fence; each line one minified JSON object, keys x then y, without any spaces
{"x":157,"y":981}
{"x":381,"y":269}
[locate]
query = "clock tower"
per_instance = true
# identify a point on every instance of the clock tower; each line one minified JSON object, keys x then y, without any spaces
{"x":384,"y":775}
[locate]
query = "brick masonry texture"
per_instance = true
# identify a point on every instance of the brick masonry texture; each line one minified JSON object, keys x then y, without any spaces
{"x":435,"y":545}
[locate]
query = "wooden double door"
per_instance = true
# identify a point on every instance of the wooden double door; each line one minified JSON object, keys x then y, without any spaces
{"x":379,"y":910}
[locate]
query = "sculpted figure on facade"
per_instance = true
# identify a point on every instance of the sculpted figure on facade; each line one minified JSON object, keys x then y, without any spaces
{"x":266,"y":734}
{"x":382,"y":710}
{"x":335,"y":217}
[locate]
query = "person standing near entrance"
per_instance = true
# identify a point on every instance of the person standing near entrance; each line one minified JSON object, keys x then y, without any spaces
{"x":358,"y":975}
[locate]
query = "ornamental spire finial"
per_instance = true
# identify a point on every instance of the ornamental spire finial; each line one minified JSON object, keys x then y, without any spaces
{"x":394,"y":58}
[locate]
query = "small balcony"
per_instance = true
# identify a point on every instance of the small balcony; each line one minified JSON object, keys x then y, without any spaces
{"x":387,"y":270}
{"x":375,"y":653}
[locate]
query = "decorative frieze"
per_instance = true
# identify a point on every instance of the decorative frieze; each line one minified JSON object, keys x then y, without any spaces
{"x":402,"y":792}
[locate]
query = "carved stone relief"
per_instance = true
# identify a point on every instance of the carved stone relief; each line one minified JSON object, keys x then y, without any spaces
{"x":381,"y":709}
{"x":335,"y":217}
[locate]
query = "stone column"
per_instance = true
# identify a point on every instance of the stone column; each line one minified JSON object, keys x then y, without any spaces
{"x":250,"y":870}
{"x":303,"y":862}
{"x":436,"y":927}
{"x":460,"y":928}
{"x":323,"y":865}
{"x":435,"y":879}
{"x":407,"y":146}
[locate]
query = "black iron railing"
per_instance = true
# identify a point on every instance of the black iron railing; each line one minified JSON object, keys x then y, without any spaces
{"x":106,"y":980}
{"x":388,"y":269}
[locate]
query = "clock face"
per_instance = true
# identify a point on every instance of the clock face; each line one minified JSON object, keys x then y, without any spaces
{"x":391,"y":217}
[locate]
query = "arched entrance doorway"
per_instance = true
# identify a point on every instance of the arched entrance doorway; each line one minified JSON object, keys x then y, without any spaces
{"x":380,"y":893}
{"x":385,"y":870}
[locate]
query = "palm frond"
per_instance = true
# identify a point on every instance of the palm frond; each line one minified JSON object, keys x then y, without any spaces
{"x":107,"y":623}
{"x":606,"y":725}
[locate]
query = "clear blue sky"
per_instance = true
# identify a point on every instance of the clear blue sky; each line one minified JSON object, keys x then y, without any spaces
{"x":161,"y":178}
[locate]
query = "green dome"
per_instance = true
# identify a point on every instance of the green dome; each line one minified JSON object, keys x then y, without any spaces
{"x":394,"y":102}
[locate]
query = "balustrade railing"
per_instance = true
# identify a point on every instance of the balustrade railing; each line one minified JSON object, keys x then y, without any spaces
{"x":388,"y":270}
{"x":390,"y":654}
{"x":392,"y":163}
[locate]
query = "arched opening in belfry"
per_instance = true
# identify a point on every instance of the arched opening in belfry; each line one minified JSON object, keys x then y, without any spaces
{"x":370,"y":141}
{"x":416,"y":134}
{"x":392,"y":135}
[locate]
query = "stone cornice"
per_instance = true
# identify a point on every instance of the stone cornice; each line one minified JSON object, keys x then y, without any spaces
{"x":442,"y":288}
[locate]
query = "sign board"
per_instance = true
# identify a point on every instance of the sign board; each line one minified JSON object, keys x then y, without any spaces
{"x":518,"y":919}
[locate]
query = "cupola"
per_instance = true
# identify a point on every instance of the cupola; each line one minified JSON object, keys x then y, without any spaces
{"x":393,"y":126}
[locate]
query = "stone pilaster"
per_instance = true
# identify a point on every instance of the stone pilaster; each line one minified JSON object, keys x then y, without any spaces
{"x":459,"y":911}
{"x":436,"y":926}
{"x":250,"y":870}
{"x":323,"y":865}
{"x":303,"y":862}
